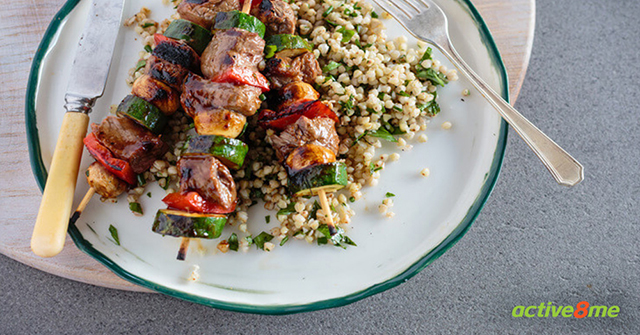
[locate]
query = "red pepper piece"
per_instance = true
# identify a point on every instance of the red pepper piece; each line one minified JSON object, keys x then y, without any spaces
{"x":254,"y":3}
{"x":157,"y":38}
{"x":194,"y":202}
{"x":243,"y":76}
{"x":120,"y":168}
{"x":289,"y":115}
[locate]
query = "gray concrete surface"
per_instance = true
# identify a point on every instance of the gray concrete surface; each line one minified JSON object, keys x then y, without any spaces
{"x":534,"y":242}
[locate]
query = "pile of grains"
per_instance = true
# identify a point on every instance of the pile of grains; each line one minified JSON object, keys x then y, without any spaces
{"x":381,"y":90}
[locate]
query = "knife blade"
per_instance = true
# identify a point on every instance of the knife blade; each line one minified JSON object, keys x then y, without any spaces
{"x":88,"y":78}
{"x":95,"y":49}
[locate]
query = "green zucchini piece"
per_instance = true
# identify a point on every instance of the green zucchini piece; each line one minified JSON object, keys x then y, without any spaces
{"x":329,"y":177}
{"x":230,"y":151}
{"x":240,"y":20}
{"x":183,"y":224}
{"x":196,"y":36}
{"x":286,"y":45}
{"x":143,"y":113}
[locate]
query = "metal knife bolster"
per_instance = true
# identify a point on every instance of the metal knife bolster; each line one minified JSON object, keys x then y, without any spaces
{"x":79,"y":104}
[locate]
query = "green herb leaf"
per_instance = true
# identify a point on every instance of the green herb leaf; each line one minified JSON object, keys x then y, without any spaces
{"x":261,"y":239}
{"x":324,"y":230}
{"x":148,"y":48}
{"x":140,"y":65}
{"x":348,"y":241}
{"x":374,"y":15}
{"x":331,"y":23}
{"x":328,"y":11}
{"x":284,"y":240}
{"x":322,"y":240}
{"x":426,"y":55}
{"x":434,"y":76}
{"x":352,"y":199}
{"x":404,"y":94}
{"x":141,"y":180}
{"x":267,"y":219}
{"x":147,"y":25}
{"x":347,"y":34}
{"x":389,"y":195}
{"x":290,"y":209}
{"x":149,"y":194}
{"x":432,"y":108}
{"x":270,"y":51}
{"x":299,"y":232}
{"x":263,"y":97}
{"x":114,"y":234}
{"x":399,"y":109}
{"x":373,"y":168}
{"x":314,"y":210}
{"x":249,"y":239}
{"x":330,"y":67}
{"x":383,"y":134}
{"x":233,"y":242}
{"x":135,"y":207}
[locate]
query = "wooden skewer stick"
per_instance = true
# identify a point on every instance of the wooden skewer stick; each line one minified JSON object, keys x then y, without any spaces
{"x":82,"y":206}
{"x":184,"y":247}
{"x":324,"y":203}
{"x":246,"y":6}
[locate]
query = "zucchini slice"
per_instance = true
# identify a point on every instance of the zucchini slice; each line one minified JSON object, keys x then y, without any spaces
{"x":286,"y":45}
{"x":158,"y":93}
{"x":230,"y":151}
{"x":240,"y":20}
{"x":194,"y":35}
{"x":183,"y":224}
{"x":329,"y":177}
{"x":143,"y":113}
{"x":220,"y":122}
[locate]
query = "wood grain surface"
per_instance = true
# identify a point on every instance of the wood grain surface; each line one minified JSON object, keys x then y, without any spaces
{"x":23,"y":24}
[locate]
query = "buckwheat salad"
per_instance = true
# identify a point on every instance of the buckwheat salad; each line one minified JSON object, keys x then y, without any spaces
{"x":382,"y":90}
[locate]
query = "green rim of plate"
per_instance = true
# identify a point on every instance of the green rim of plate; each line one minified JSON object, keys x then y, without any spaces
{"x":40,"y":173}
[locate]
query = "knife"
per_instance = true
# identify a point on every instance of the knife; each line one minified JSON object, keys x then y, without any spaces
{"x":88,"y":78}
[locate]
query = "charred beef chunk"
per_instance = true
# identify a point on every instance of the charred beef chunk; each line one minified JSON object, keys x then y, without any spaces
{"x":104,"y":182}
{"x":209,"y":177}
{"x":232,"y":48}
{"x":130,"y":142}
{"x":277,"y":16}
{"x":284,"y":70}
{"x":179,"y":53}
{"x":202,"y":94}
{"x":203,"y":12}
{"x":318,"y":131}
{"x":171,"y":74}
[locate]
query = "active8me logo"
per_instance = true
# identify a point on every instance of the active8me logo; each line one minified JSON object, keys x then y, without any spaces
{"x":582,"y":309}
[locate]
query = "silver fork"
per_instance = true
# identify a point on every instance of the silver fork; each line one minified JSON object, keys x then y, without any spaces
{"x":427,"y":22}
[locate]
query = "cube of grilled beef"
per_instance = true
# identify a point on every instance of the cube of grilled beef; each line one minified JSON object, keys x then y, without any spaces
{"x":171,"y":74}
{"x":202,"y":94}
{"x":130,"y":142}
{"x":232,"y":48}
{"x":277,"y":16}
{"x":284,"y":70}
{"x":209,"y":177}
{"x":203,"y":12}
{"x":177,"y":52}
{"x":318,"y":131}
{"x":104,"y":182}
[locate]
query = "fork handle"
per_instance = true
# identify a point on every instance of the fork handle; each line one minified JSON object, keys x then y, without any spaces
{"x":565,"y":169}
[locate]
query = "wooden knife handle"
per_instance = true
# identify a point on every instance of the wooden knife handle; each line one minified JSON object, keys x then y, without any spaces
{"x":51,"y":226}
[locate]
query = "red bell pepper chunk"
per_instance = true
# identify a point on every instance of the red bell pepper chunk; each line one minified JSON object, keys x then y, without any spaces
{"x":254,"y":3}
{"x":120,"y":168}
{"x":289,"y":115}
{"x":194,"y":202}
{"x":243,"y":76}
{"x":158,"y":38}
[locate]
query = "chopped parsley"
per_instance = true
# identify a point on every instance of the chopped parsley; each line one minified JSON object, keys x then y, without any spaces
{"x":314,"y":210}
{"x":135,"y":207}
{"x":140,"y":65}
{"x":347,"y":34}
{"x":374,"y":15}
{"x":284,"y":240}
{"x":267,"y":219}
{"x":148,"y":48}
{"x":390,"y":195}
{"x":261,"y":239}
{"x":141,"y":180}
{"x":147,"y":25}
{"x":328,"y":11}
{"x":114,"y":234}
{"x":434,"y":76}
{"x":383,"y":134}
{"x":331,"y":66}
{"x":233,"y":242}
{"x":290,"y":209}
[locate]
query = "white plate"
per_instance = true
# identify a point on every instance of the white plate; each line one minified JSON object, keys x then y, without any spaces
{"x":431,"y":213}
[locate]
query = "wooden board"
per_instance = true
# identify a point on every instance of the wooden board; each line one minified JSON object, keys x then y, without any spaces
{"x":23,"y":24}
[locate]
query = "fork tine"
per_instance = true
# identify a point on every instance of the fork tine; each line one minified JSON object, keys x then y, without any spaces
{"x":412,"y":5}
{"x":398,"y":15}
